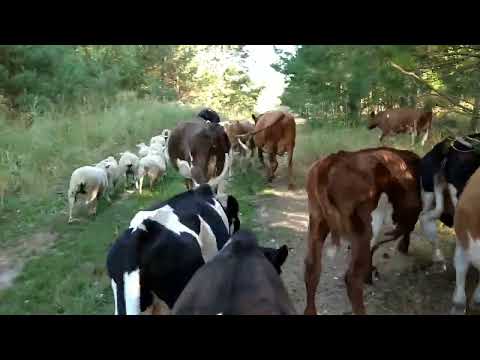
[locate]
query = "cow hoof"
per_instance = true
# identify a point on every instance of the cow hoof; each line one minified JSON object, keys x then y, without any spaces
{"x":291,"y":187}
{"x":458,"y":309}
{"x":475,"y":306}
{"x":310,"y":312}
{"x":438,"y":267}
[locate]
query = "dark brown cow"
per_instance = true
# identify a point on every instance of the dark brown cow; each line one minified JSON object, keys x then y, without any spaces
{"x":242,"y":279}
{"x":274,"y":134}
{"x":397,"y":121}
{"x":352,"y":195}
{"x":200,"y":148}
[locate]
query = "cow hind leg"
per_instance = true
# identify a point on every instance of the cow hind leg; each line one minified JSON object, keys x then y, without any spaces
{"x":273,"y":165}
{"x":475,"y":259}
{"x":360,"y":266}
{"x":317,"y":232}
{"x":291,"y":185}
{"x":425,"y":137}
{"x":260,"y":157}
{"x":461,"y":263}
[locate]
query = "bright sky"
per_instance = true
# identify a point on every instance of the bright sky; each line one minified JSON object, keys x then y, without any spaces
{"x":261,"y":56}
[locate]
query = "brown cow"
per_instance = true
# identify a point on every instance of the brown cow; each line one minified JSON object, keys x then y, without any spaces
{"x":236,"y":128}
{"x":199,"y":150}
{"x":467,"y":251}
{"x":352,"y":195}
{"x":397,"y":121}
{"x":275,"y":134}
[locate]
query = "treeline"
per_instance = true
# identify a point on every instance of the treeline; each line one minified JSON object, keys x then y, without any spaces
{"x":35,"y":79}
{"x":335,"y":82}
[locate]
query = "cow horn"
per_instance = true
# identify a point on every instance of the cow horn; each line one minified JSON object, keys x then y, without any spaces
{"x":242,"y":144}
{"x":184,"y":168}
{"x":215,"y":181}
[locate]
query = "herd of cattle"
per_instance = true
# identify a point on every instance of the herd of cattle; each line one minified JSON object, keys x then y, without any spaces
{"x":189,"y":252}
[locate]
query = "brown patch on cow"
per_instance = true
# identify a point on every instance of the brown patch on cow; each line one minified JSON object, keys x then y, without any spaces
{"x":466,"y":220}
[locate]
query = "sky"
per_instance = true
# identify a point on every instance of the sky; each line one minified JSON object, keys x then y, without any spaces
{"x":258,"y":65}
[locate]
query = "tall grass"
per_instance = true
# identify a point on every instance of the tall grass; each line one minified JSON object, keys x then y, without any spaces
{"x":41,"y":158}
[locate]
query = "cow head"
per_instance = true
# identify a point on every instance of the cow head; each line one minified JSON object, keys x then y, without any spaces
{"x":276,"y":257}
{"x":209,"y":115}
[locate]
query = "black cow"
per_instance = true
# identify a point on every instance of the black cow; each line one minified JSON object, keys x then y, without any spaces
{"x":164,"y":246}
{"x":444,"y":173}
{"x":209,"y":115}
{"x":239,"y":280}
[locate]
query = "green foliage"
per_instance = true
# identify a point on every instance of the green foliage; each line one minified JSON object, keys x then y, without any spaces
{"x":344,"y":82}
{"x":37,"y":79}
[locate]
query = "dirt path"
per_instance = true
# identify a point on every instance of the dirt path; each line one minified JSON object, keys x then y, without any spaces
{"x":407,"y":284}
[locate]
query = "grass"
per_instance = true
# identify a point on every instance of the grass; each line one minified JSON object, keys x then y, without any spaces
{"x":70,"y":276}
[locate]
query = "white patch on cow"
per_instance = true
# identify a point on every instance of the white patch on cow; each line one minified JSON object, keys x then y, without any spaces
{"x":460,"y":262}
{"x":132,"y":292}
{"x":380,"y":216}
{"x":137,"y":221}
{"x":207,"y":241}
{"x":114,"y":288}
{"x":221,"y":212}
{"x":430,"y":215}
{"x":452,"y":190}
{"x":166,"y":217}
{"x":474,"y":257}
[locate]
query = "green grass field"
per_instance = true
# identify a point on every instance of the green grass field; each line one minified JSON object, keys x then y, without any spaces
{"x":69,"y":277}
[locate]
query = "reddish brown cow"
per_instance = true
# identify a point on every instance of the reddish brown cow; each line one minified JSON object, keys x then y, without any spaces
{"x":275,"y":134}
{"x":352,"y":195}
{"x":397,"y":121}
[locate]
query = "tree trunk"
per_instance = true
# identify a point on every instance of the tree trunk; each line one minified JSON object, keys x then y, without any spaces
{"x":476,"y":114}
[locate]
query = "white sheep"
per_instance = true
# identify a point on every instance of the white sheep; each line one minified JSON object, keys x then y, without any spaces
{"x":128,"y":164}
{"x":91,"y":181}
{"x":113,"y":171}
{"x":152,"y":165}
{"x":160,"y":140}
{"x":143,"y":149}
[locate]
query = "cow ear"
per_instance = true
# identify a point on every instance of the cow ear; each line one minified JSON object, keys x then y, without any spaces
{"x":372,"y":114}
{"x":254,"y":118}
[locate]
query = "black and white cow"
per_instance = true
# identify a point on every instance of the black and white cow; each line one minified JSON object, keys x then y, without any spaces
{"x":444,"y":173}
{"x":164,"y":245}
{"x":239,"y":280}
